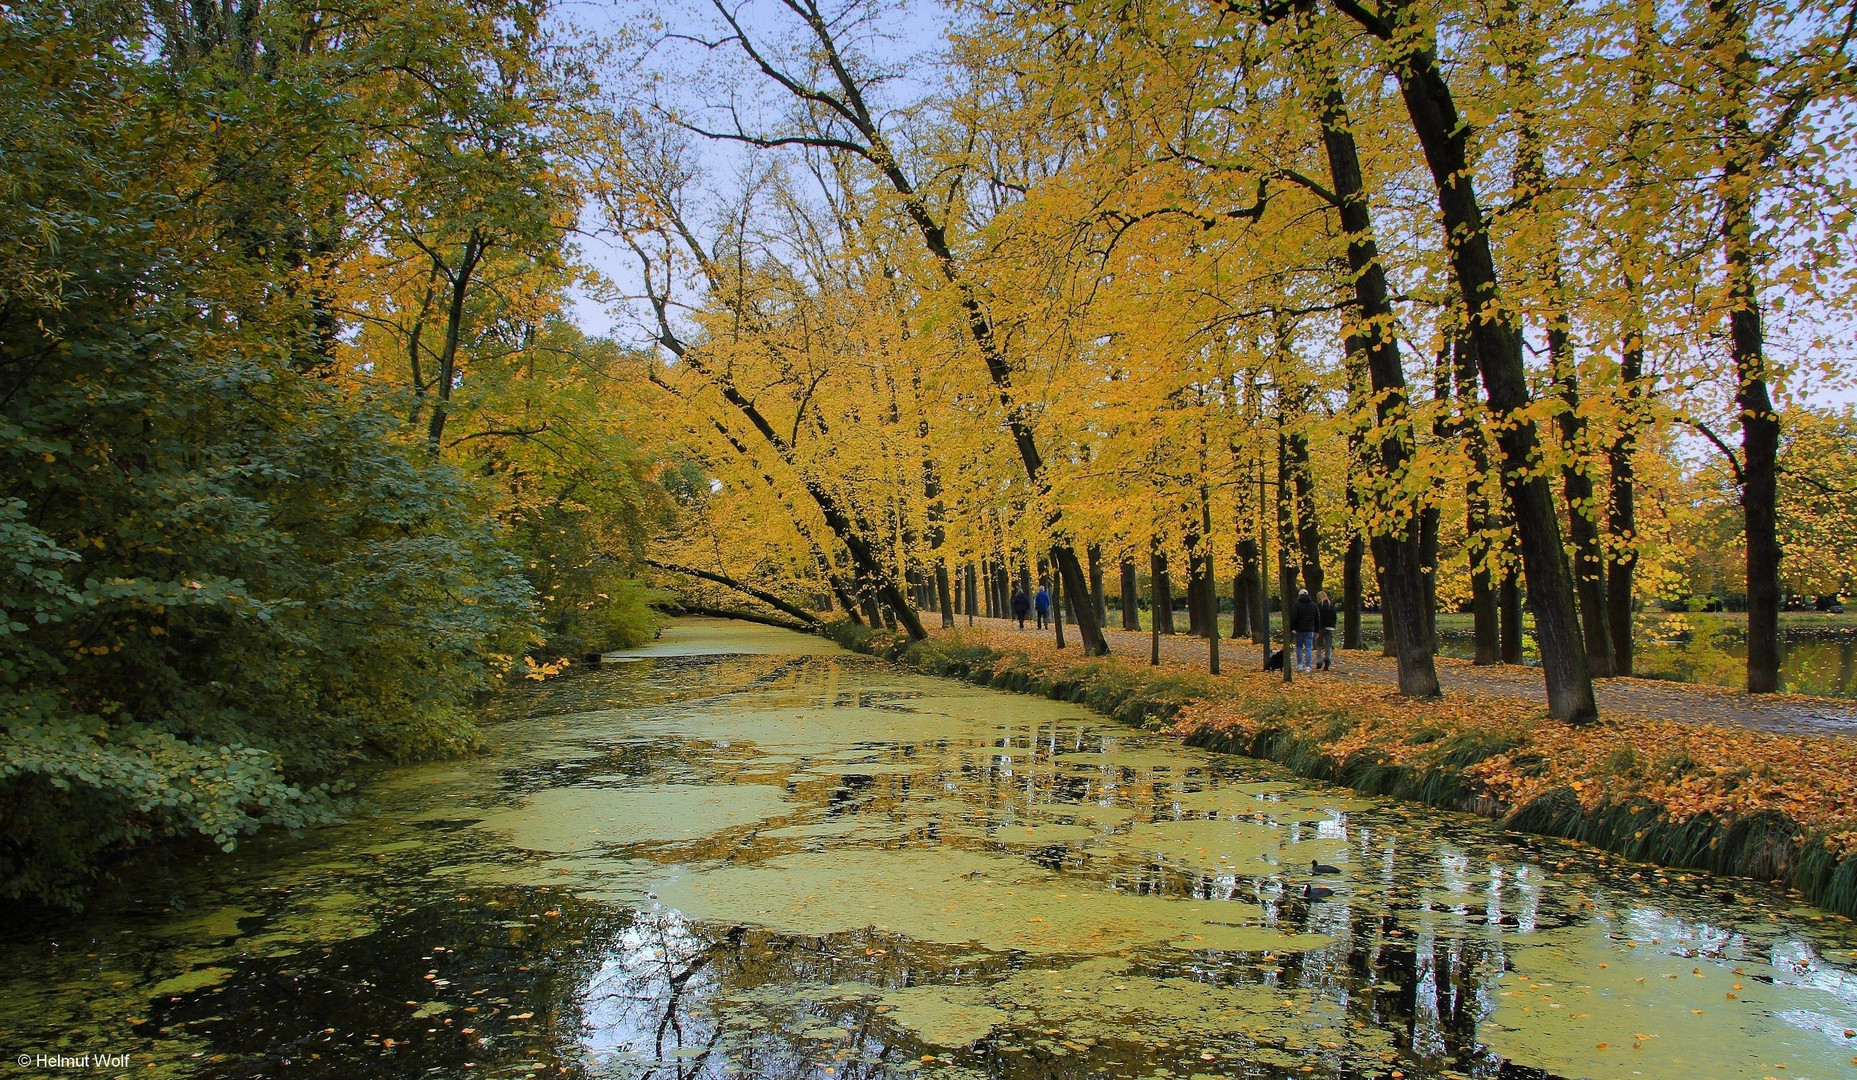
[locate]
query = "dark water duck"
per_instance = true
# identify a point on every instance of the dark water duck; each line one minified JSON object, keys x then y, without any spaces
{"x":1316,"y":892}
{"x":1322,"y":868}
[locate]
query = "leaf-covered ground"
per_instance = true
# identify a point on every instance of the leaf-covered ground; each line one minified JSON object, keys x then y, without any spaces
{"x":1660,"y":699}
{"x":1685,"y":750}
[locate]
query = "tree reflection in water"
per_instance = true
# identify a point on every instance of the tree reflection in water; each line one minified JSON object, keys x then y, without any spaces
{"x":1064,"y":898}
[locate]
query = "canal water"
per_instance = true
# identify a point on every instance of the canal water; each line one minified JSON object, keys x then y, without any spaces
{"x":741,"y":853}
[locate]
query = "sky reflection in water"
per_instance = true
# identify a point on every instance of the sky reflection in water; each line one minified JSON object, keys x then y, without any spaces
{"x":781,"y":862}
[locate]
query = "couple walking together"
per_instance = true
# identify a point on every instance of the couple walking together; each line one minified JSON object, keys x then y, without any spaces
{"x":1020,"y":605}
{"x":1312,"y":626}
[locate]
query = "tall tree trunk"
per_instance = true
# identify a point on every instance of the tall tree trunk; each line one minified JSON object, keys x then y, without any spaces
{"x":1308,"y":526}
{"x":1428,"y":558}
{"x":1621,"y":501}
{"x":1057,"y":607}
{"x":969,"y":585}
{"x":1244,"y":588}
{"x":1260,"y":605}
{"x":846,"y":600}
{"x":1509,"y":602}
{"x":1351,"y":592}
{"x":1582,"y":509}
{"x":1209,"y":581}
{"x":1622,"y":519}
{"x":1532,"y":184}
{"x":1446,"y":142}
{"x":1196,"y":584}
{"x":1094,"y":553}
{"x":459,"y":278}
{"x":1286,"y":546}
{"x":1154,"y":602}
{"x":1403,"y":591}
{"x":1131,"y":596}
{"x":1477,"y":524}
{"x":868,"y":596}
{"x":1389,"y":629}
{"x":1431,"y":518}
{"x":1351,"y":599}
{"x":1760,"y":424}
{"x":1162,"y":588}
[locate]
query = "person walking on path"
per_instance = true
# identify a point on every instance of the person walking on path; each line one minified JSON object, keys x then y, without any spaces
{"x":1324,"y":631}
{"x":1043,"y":601}
{"x":1020,"y":605}
{"x":1305,"y":619}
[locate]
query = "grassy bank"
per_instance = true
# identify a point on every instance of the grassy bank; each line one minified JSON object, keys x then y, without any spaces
{"x":1726,"y":800}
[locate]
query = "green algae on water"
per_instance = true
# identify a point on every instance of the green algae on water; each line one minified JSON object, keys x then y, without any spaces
{"x":581,"y":819}
{"x":776,"y":862}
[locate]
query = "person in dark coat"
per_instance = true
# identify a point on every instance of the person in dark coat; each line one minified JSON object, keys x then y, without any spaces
{"x":1043,"y":602}
{"x":1305,"y":620}
{"x":1020,"y":605}
{"x":1324,"y":631}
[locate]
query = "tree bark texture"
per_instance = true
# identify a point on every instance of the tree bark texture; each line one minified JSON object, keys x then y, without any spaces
{"x":1308,"y":525}
{"x":1477,"y":522}
{"x":1622,"y":516}
{"x":1402,"y":594}
{"x":1509,"y":603}
{"x":1131,"y":597}
{"x":1162,"y":589}
{"x":1582,"y":509}
{"x":1351,"y":593}
{"x":1445,"y":139}
{"x":1760,"y":424}
{"x":800,"y":614}
{"x":1094,"y":553}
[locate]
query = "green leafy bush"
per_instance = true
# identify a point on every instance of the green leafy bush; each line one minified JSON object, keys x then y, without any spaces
{"x":226,"y":575}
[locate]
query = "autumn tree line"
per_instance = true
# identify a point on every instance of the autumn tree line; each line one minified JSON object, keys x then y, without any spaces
{"x":1426,"y":304}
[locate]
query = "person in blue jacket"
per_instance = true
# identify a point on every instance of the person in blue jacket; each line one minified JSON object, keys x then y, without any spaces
{"x":1043,"y":602}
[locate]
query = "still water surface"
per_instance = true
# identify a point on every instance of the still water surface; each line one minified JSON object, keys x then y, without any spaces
{"x":744,"y":854}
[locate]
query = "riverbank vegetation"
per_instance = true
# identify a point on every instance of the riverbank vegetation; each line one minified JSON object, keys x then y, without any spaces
{"x":1728,"y":800}
{"x":301,"y":451}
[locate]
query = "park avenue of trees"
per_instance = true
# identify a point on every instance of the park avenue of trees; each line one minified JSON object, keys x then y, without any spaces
{"x":1519,"y":308}
{"x":1474,"y":305}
